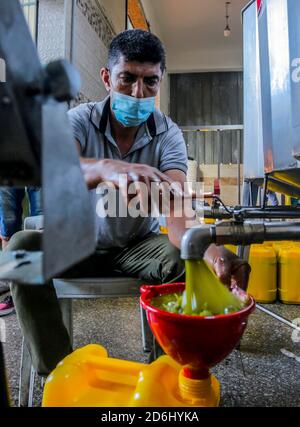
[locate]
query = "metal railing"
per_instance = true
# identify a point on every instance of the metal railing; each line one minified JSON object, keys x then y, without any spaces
{"x":218,"y":159}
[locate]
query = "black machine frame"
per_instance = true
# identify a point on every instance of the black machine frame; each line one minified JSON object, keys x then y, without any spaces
{"x":37,"y":148}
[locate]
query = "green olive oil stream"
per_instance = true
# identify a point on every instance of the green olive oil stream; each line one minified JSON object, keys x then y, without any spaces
{"x":204,"y":294}
{"x":204,"y":291}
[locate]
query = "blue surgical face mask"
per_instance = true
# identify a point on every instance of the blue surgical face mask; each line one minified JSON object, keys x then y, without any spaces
{"x":130,"y":111}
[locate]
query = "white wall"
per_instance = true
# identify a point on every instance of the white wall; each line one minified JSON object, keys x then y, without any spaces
{"x":200,"y":61}
{"x":155,"y":28}
{"x":192,"y":31}
{"x":115,"y":11}
{"x":51,"y":30}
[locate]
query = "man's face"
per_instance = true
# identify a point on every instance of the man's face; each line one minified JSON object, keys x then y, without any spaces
{"x":140,"y":80}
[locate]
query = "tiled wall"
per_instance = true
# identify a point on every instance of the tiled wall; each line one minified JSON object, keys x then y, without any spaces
{"x":92,"y":35}
{"x":81,"y":35}
{"x":51,"y":30}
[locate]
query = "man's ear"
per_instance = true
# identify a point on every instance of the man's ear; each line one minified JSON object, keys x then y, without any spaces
{"x":105,"y":76}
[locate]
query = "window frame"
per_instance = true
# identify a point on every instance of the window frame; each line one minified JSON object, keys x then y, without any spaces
{"x":31,"y":7}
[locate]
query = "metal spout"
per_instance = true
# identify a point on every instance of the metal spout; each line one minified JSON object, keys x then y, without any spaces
{"x":196,"y":240}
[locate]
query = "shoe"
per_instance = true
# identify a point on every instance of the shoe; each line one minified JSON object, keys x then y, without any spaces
{"x":6,"y":306}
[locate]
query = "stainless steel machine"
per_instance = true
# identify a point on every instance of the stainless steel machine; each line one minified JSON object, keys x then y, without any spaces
{"x":272,"y":94}
{"x":271,"y":33}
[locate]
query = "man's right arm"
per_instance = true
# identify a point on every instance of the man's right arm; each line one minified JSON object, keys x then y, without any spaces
{"x":96,"y":171}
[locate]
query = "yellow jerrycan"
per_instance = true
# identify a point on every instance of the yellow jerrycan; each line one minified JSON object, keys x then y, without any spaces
{"x":282,"y":244}
{"x":263,"y":277}
{"x":289,"y":274}
{"x":89,"y":378}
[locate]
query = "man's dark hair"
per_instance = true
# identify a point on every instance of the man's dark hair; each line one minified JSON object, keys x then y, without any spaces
{"x":137,"y":45}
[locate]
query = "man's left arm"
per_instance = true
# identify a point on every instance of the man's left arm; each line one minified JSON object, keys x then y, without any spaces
{"x":229,"y":268}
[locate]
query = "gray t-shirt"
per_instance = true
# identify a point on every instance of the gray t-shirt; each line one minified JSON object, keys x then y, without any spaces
{"x":158,"y":143}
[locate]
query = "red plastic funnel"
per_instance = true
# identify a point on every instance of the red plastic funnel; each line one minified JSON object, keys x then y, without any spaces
{"x":197,"y":343}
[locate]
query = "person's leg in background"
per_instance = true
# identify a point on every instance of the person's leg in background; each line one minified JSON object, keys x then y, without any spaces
{"x":10,"y":212}
{"x":35,"y":200}
{"x":10,"y":222}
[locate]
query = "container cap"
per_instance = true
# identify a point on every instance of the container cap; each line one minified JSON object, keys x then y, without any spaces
{"x":262,"y":251}
{"x":289,"y":252}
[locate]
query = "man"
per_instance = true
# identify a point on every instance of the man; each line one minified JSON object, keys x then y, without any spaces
{"x":122,"y":135}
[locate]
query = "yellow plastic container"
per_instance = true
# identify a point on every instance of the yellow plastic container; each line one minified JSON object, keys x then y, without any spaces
{"x":263,"y":277}
{"x":289,"y":274}
{"x":209,"y":221}
{"x":284,"y":244}
{"x":88,"y":377}
{"x":232,"y":248}
{"x":268,"y":243}
{"x":163,"y":230}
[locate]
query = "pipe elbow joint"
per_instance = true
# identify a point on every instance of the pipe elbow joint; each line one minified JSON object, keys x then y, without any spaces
{"x":196,"y":240}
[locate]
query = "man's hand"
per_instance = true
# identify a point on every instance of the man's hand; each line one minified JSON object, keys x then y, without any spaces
{"x":231,"y":270}
{"x":106,"y":170}
{"x":140,"y":175}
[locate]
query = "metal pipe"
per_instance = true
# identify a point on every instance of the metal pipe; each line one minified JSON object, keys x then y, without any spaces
{"x":219,"y":213}
{"x":251,"y":193}
{"x":239,"y":233}
{"x":243,"y":252}
{"x":196,"y":240}
{"x":219,"y":154}
{"x":251,"y":213}
{"x":239,"y":166}
{"x":276,"y":316}
{"x":269,"y":214}
{"x":212,"y":128}
{"x":4,"y":399}
{"x":265,"y":188}
{"x":282,"y":231}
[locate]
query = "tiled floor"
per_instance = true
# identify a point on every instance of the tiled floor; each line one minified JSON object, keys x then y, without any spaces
{"x":259,"y":375}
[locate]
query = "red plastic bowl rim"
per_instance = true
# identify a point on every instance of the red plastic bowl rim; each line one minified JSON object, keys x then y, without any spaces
{"x":174,"y":316}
